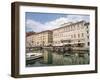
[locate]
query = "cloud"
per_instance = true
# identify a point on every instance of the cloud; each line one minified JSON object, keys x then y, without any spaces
{"x":33,"y":26}
{"x":75,"y":18}
{"x":56,"y":23}
{"x":36,"y":26}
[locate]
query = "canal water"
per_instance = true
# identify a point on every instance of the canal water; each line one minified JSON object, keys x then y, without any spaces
{"x":50,"y":58}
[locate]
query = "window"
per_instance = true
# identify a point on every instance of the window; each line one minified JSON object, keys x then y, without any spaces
{"x":82,"y":34}
{"x":74,"y":36}
{"x":75,"y":27}
{"x":88,"y":37}
{"x":32,"y":41}
{"x":88,"y":43}
{"x":87,"y":32}
{"x":87,"y":27}
{"x":72,"y":27}
{"x":78,"y":41}
{"x":37,"y":42}
{"x":78,"y":35}
{"x":78,"y":26}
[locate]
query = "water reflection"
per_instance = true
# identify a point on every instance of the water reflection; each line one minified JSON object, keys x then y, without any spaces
{"x":50,"y":58}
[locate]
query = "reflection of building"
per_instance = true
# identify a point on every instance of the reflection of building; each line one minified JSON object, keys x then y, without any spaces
{"x":57,"y":59}
{"x":73,"y":34}
{"x":47,"y":57}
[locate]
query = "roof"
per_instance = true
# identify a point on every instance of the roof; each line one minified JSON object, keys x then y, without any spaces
{"x":69,"y":25}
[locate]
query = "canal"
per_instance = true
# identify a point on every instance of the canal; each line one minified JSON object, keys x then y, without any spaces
{"x":50,"y":58}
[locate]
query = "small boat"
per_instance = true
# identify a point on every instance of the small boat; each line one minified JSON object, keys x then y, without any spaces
{"x":32,"y":56}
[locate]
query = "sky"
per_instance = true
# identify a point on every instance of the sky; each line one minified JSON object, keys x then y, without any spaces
{"x":38,"y":22}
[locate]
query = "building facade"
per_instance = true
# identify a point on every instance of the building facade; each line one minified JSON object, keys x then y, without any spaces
{"x":73,"y":34}
{"x":40,"y":39}
{"x":29,"y":41}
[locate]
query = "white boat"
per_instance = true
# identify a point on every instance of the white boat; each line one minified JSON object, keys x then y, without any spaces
{"x":30,"y":56}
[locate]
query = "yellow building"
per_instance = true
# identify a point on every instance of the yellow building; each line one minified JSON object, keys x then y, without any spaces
{"x":43,"y":38}
{"x":30,"y":41}
{"x":40,"y":39}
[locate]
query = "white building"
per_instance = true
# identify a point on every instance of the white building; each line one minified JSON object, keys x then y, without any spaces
{"x":75,"y":34}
